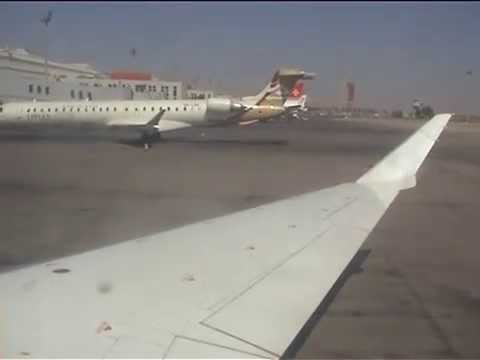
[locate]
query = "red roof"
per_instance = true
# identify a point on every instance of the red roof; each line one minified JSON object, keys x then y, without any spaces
{"x":130,"y":75}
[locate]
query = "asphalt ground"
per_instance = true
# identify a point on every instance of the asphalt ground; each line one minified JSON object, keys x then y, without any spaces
{"x":416,"y":294}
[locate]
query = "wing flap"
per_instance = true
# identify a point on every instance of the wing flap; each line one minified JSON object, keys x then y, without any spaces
{"x":184,"y":347}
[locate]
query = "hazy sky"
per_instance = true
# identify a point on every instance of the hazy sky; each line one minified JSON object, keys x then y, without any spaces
{"x":394,"y":52}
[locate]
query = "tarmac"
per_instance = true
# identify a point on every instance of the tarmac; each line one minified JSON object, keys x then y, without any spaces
{"x":416,"y":294}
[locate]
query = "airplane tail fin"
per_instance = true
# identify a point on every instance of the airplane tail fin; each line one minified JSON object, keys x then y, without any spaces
{"x":297,"y":91}
{"x":281,"y":86}
{"x":297,"y":97}
{"x":400,"y":166}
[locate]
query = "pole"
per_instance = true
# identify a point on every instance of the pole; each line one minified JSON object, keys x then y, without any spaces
{"x":46,"y":20}
{"x":46,"y":52}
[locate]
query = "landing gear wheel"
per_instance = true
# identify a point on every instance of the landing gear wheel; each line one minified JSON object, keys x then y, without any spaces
{"x":146,"y":141}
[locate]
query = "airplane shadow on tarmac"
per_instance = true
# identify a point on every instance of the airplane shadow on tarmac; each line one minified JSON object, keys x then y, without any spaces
{"x":279,"y":142}
{"x":92,"y":139}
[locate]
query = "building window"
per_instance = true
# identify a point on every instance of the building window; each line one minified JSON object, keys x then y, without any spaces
{"x":34,"y":110}
{"x":126,"y":109}
{"x":144,"y":108}
{"x":63,"y":109}
{"x":86,"y":109}
{"x":48,"y":109}
{"x":72,"y":94}
{"x":30,"y":88}
{"x":41,"y":110}
{"x":114,"y":109}
{"x":136,"y":109}
{"x":47,"y":90}
{"x":39,"y":89}
{"x":80,"y":95}
{"x":154,"y":88}
{"x":78,"y":109}
{"x":100,"y":109}
{"x":89,"y":95}
{"x":28,"y":110}
{"x":140,"y":88}
{"x":93,"y":108}
{"x":56,"y":109}
{"x":106,"y":109}
{"x":168,"y":108}
{"x":176,"y":109}
{"x":153,"y":109}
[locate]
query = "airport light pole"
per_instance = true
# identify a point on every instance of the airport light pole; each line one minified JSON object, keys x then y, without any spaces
{"x":46,"y":20}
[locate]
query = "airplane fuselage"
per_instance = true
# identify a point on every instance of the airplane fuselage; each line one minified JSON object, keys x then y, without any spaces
{"x":129,"y":113}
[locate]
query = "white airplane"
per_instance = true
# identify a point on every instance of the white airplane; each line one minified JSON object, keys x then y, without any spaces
{"x":149,"y":118}
{"x":241,"y":285}
{"x":296,"y":101}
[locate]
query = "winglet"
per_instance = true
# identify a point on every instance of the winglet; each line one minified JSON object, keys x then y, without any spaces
{"x":401,"y":165}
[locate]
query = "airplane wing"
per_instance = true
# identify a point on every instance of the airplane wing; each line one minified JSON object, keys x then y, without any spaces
{"x":157,"y":121}
{"x":137,"y":120}
{"x":241,"y":285}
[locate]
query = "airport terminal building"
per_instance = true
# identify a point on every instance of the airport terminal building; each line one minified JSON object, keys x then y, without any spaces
{"x":26,"y":76}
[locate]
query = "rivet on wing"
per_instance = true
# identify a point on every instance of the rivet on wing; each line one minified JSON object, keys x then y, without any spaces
{"x":188,"y":277}
{"x":104,"y":287}
{"x":61,"y":271}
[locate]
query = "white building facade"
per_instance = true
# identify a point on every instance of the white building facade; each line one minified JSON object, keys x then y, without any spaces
{"x":25,"y":76}
{"x":198,"y":94}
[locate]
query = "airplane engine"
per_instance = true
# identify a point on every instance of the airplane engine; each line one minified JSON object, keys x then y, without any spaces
{"x":218,"y":107}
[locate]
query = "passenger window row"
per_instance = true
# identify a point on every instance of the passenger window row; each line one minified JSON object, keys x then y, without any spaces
{"x":107,"y":109}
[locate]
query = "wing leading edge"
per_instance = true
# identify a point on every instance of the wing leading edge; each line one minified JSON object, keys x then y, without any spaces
{"x":241,"y":285}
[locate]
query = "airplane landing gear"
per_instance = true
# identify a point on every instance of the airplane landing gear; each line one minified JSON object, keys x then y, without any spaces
{"x":148,"y":139}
